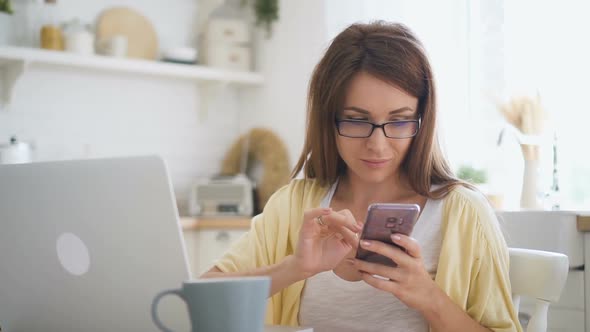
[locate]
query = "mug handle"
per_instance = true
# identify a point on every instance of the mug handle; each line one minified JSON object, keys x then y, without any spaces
{"x":155,"y":302}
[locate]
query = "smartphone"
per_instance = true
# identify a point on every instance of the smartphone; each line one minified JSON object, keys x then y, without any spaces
{"x":384,"y":219}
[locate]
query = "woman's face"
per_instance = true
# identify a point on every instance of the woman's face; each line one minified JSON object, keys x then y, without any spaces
{"x":377,"y":158}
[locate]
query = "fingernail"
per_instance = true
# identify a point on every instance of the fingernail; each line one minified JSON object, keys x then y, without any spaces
{"x":357,"y":227}
{"x":396,"y":237}
{"x":350,"y":260}
{"x":365,"y":243}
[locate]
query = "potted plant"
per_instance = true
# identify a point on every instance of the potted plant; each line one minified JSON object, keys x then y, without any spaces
{"x":473,"y":175}
{"x":5,"y":22}
{"x":479,"y":178}
{"x":267,"y":11}
{"x":5,"y":7}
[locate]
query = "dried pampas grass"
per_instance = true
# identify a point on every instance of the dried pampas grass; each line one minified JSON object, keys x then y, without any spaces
{"x":266,"y":147}
{"x":528,"y":116}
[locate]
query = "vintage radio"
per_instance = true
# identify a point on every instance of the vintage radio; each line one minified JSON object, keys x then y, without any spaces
{"x":222,"y":196}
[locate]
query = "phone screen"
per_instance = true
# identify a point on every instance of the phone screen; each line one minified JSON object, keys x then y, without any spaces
{"x":384,"y":219}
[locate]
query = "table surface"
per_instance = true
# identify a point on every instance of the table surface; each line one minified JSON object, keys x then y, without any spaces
{"x":189,"y":223}
{"x":275,"y":328}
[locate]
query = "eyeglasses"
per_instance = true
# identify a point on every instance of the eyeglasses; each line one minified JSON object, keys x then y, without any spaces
{"x":393,"y":129}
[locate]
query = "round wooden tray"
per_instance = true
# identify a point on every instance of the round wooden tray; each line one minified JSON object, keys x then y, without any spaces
{"x":142,"y":40}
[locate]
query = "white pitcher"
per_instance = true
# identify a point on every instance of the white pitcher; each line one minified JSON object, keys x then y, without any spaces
{"x":15,"y":152}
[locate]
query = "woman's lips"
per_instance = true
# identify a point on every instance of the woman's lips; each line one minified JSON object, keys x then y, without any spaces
{"x":375,"y":163}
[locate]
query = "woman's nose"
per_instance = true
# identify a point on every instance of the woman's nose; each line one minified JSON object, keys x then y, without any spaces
{"x":377,"y":141}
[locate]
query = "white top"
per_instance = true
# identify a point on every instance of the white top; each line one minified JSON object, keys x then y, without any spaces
{"x":329,"y":303}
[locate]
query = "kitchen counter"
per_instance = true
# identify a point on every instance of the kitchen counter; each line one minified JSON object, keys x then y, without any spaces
{"x":583,"y":223}
{"x":192,"y":223}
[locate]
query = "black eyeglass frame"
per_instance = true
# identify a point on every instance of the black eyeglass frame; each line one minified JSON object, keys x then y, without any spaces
{"x":382,"y":126}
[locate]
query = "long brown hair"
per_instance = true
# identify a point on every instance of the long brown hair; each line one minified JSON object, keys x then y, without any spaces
{"x":393,"y":54}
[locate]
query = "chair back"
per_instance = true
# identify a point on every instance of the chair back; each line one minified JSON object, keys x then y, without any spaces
{"x":539,"y":275}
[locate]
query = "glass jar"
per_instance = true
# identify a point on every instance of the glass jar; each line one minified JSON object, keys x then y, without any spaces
{"x":51,"y":34}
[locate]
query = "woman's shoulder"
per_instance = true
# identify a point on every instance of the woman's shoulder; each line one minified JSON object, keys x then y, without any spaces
{"x":467,"y":197}
{"x":469,"y":209}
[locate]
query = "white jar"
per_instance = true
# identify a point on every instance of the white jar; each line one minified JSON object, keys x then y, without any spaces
{"x":78,"y":38}
{"x":15,"y":152}
{"x":80,"y":42}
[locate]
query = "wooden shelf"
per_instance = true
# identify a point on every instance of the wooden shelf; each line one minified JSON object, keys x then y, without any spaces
{"x":190,"y":223}
{"x":15,"y":60}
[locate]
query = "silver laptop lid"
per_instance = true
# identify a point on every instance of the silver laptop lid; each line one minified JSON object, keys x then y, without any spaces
{"x":85,"y":245}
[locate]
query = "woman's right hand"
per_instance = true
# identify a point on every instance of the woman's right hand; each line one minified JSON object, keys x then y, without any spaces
{"x":321,"y":247}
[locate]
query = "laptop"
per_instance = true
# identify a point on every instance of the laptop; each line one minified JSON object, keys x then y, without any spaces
{"x":85,"y":246}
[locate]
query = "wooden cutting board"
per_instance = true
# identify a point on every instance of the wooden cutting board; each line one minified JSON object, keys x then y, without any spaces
{"x":142,"y":40}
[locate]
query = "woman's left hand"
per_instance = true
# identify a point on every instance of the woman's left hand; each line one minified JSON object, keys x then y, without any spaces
{"x":409,"y":281}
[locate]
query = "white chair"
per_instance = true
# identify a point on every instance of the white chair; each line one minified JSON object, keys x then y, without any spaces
{"x":540,"y":275}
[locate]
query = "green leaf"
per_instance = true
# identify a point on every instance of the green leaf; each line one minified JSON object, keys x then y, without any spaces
{"x":471,"y":174}
{"x":267,"y":11}
{"x":5,"y":7}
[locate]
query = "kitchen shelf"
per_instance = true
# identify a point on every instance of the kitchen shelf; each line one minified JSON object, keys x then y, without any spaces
{"x":15,"y":60}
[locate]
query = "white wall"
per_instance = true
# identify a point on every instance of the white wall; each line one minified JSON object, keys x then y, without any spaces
{"x":72,"y":113}
{"x":286,"y":60}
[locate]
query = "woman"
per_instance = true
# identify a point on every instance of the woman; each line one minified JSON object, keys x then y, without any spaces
{"x":371,"y":138}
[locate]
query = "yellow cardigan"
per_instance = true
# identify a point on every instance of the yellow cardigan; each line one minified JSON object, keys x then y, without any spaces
{"x":472,"y":268}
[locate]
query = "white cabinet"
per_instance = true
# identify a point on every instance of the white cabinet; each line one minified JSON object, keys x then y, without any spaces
{"x":191,"y":242}
{"x":207,"y":240}
{"x":212,"y":244}
{"x":568,"y":313}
